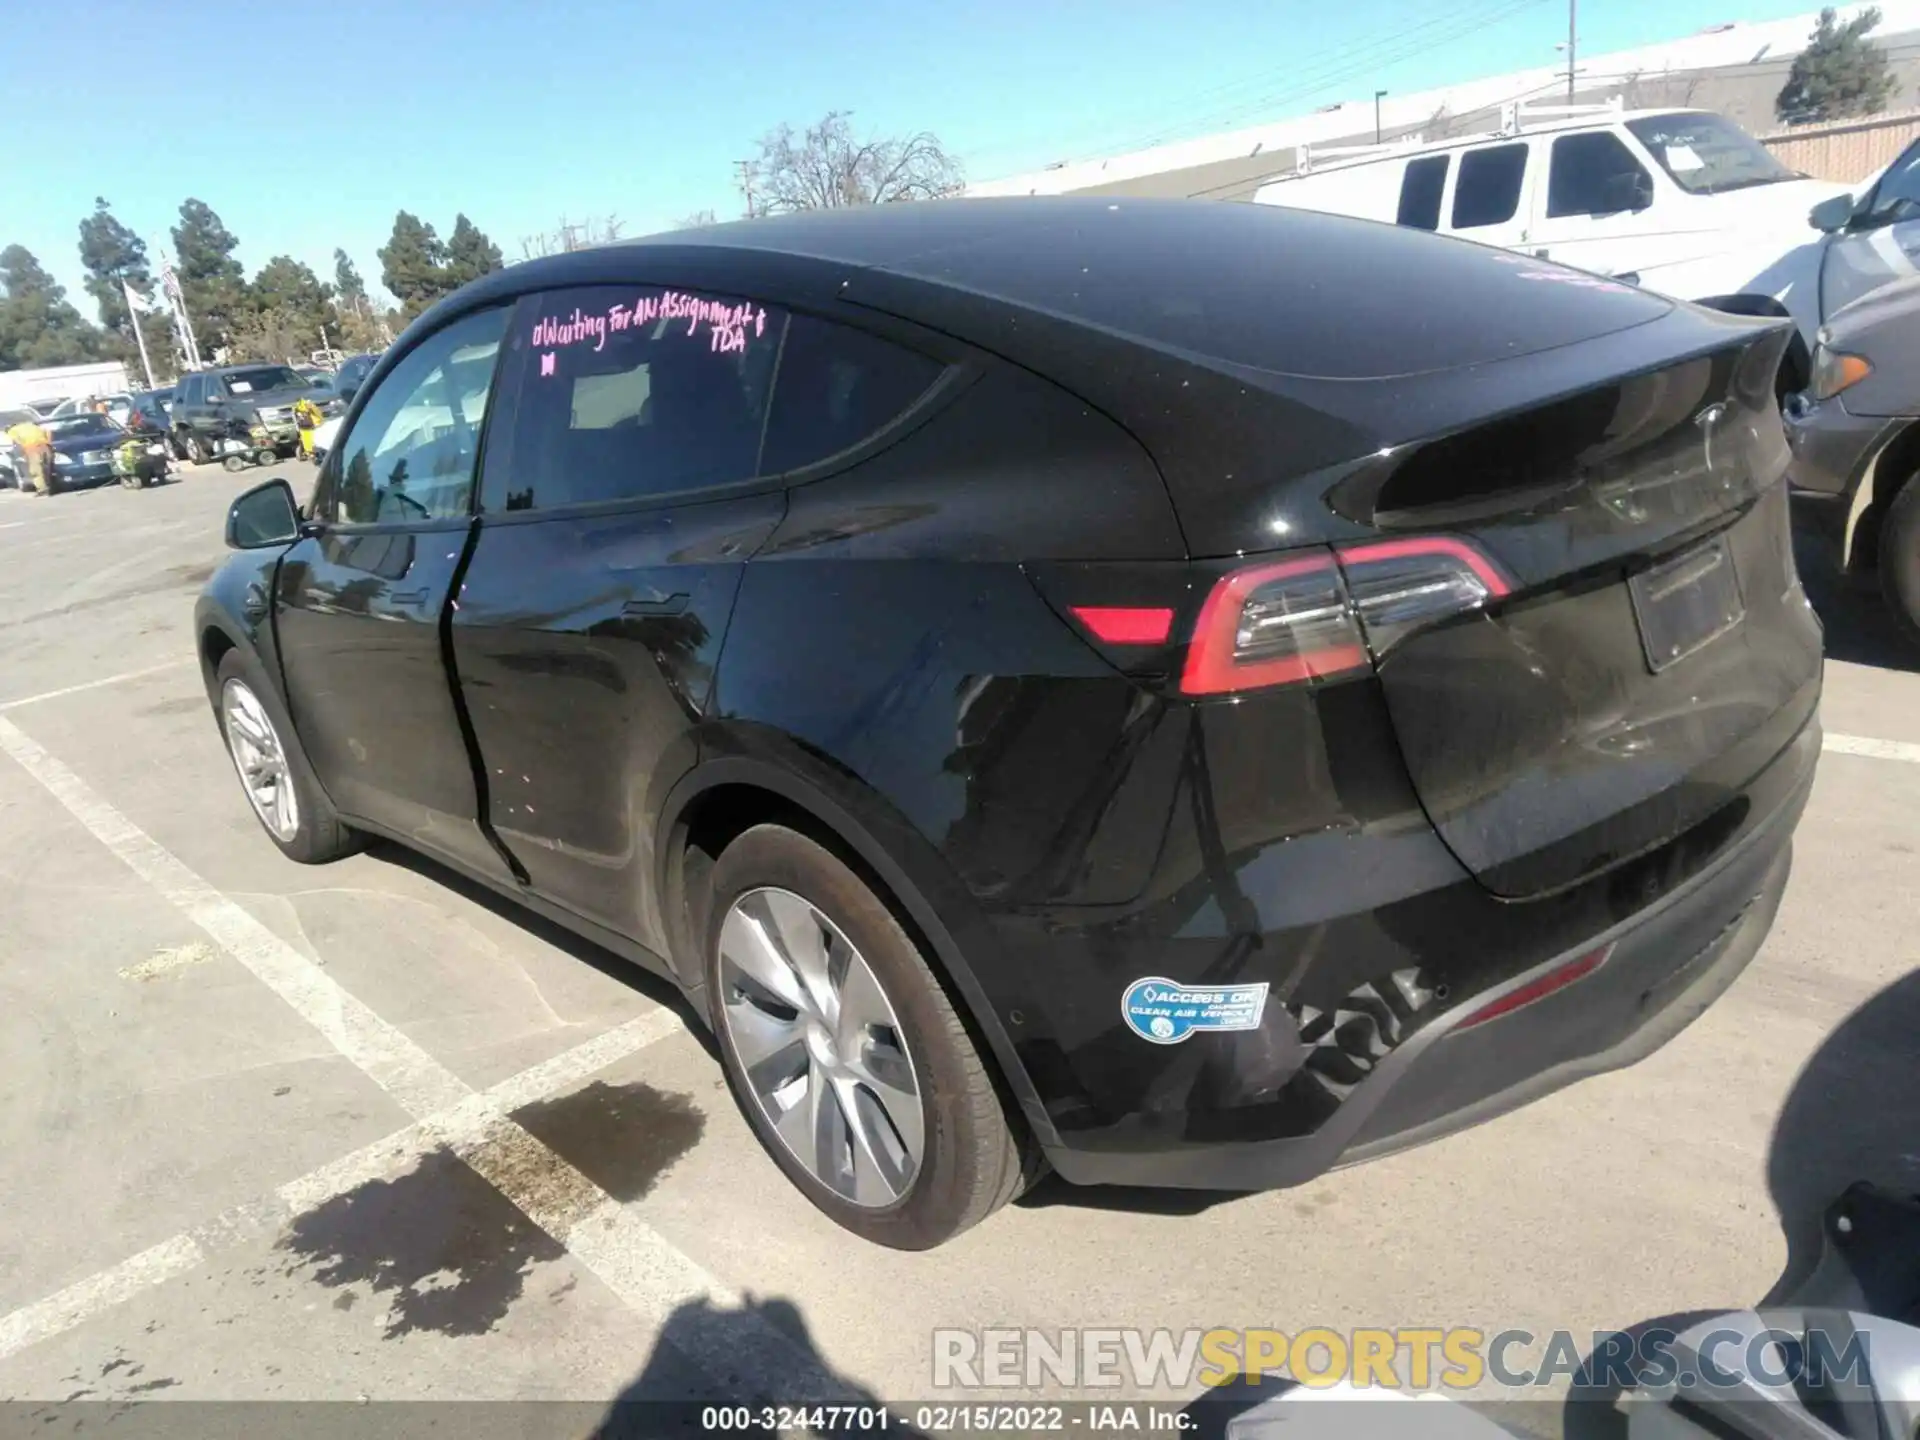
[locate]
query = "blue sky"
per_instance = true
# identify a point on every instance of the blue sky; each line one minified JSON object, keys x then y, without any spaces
{"x":519,"y":114}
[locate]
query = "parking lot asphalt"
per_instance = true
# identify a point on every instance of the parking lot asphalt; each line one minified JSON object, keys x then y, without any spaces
{"x":365,"y":1131}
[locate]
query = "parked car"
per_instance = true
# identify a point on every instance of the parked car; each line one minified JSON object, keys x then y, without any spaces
{"x":345,"y":382}
{"x":1874,"y":233}
{"x":1054,"y":687}
{"x":12,"y":467}
{"x":247,"y":402}
{"x":83,"y":447}
{"x":1855,"y":435}
{"x":44,"y":409}
{"x":1683,"y":202}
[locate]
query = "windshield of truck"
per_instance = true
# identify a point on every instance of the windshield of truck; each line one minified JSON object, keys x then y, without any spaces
{"x":1708,"y":154}
{"x":267,"y":377}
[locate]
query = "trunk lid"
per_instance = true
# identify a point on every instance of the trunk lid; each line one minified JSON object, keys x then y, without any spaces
{"x":1655,"y":652}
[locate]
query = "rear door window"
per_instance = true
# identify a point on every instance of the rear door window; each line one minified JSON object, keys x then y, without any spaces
{"x":837,"y":386}
{"x":1420,"y":192}
{"x":624,"y":392}
{"x":1488,"y":190}
{"x":1594,"y":174}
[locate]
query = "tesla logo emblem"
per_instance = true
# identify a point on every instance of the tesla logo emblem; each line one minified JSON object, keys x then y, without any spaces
{"x":546,"y":363}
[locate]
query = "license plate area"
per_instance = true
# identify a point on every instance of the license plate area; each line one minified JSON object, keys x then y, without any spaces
{"x":1686,"y":603}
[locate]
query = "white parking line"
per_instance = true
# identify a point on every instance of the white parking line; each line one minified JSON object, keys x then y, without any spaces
{"x":465,"y":1122}
{"x":632,"y":1259}
{"x":1877,"y":749}
{"x":123,"y":676}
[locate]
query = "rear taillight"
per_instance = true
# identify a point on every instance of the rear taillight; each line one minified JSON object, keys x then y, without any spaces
{"x":1323,"y":614}
{"x":1399,"y":586}
{"x":1273,"y":624}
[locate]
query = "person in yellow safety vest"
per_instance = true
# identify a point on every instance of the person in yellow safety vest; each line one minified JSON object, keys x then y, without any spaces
{"x":307,"y":417}
{"x":37,"y":446}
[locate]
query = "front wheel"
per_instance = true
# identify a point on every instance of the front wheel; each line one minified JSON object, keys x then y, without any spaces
{"x":274,"y":774}
{"x":843,"y":1051}
{"x":1900,"y":558}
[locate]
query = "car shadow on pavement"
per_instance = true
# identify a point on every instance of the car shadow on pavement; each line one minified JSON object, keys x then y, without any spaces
{"x":656,"y":988}
{"x":1859,"y":628}
{"x":1852,"y":1117}
{"x":1131,"y":1199}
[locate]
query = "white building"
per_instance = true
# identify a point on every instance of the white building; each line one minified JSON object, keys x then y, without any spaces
{"x":1734,"y":68}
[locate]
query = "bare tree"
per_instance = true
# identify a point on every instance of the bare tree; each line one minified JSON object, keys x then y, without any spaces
{"x":828,"y":166}
{"x":696,"y":220}
{"x":572,"y":235}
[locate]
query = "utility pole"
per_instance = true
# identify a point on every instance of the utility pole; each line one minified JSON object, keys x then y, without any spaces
{"x":1572,"y":7}
{"x":745,"y":167}
{"x":1376,"y":115}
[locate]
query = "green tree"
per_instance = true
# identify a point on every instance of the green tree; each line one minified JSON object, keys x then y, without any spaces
{"x":1840,"y":73}
{"x":470,"y":254}
{"x":356,"y":326}
{"x":211,"y":280}
{"x":348,"y":288}
{"x":413,"y":264}
{"x":38,"y":326}
{"x":113,"y":255}
{"x":286,"y":285}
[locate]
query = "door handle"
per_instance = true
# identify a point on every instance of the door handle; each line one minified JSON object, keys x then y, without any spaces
{"x":1540,"y":254}
{"x":656,"y":604}
{"x":408,"y":597}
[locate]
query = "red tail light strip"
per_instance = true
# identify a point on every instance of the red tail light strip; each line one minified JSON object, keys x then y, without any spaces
{"x":1538,"y":989}
{"x":1460,"y":550}
{"x":1126,"y":625}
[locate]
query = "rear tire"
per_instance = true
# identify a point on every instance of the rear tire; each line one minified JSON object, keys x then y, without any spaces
{"x":1900,"y":558}
{"x":969,"y":1160}
{"x":300,"y":820}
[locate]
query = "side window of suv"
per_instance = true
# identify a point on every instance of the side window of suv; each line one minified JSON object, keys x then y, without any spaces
{"x":1420,"y":192}
{"x":411,"y":452}
{"x":628,"y":391}
{"x":1593,"y":173}
{"x":1488,"y":190}
{"x":189,"y":391}
{"x":837,"y":386}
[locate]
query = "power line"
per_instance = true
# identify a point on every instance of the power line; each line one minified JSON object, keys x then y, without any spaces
{"x":1337,"y":67}
{"x":1316,"y":71}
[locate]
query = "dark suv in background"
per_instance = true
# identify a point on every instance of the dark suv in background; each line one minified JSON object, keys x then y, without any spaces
{"x":235,"y":400}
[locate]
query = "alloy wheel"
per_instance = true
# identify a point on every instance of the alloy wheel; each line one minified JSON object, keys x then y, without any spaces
{"x":821,"y":1047}
{"x":260,"y":758}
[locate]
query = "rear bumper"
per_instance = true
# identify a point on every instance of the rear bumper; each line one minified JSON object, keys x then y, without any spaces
{"x":1668,"y":963}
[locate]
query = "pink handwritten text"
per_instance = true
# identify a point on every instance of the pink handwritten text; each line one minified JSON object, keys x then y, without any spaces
{"x":729,"y":325}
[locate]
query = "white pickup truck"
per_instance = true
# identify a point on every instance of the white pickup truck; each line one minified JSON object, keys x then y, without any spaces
{"x":1680,"y":201}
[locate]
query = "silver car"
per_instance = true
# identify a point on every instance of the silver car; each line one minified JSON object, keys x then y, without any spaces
{"x":1855,"y":436}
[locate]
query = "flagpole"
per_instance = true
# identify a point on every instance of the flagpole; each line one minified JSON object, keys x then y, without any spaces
{"x":139,"y":333}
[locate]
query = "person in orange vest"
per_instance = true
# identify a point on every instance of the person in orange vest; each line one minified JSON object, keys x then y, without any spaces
{"x":37,"y":446}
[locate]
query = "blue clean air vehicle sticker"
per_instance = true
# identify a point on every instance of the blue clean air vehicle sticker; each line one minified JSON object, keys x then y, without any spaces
{"x":1166,"y":1013}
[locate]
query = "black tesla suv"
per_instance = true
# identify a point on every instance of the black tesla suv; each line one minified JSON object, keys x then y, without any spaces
{"x":1185,"y":694}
